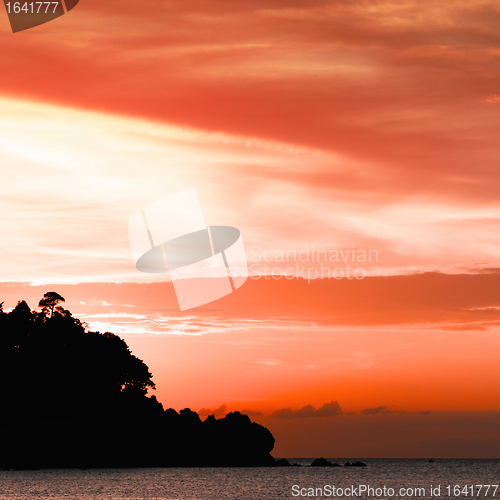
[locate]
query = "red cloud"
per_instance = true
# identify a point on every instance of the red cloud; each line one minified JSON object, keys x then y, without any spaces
{"x":331,"y":409}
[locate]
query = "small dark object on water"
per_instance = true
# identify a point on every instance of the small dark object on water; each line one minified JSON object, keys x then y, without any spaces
{"x":355,"y":464}
{"x":321,"y":462}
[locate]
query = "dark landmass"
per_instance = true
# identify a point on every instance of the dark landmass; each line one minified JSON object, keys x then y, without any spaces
{"x":322,"y":462}
{"x":72,"y":398}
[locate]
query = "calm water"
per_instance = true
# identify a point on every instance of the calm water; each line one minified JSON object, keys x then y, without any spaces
{"x":255,"y":483}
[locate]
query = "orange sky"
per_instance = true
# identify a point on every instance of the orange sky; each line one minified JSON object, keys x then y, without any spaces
{"x":309,"y":125}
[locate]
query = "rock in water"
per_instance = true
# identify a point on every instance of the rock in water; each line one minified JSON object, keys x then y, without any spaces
{"x":321,"y":462}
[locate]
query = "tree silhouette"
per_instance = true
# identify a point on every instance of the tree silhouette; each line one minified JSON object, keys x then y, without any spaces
{"x":49,"y":302}
{"x":70,"y":397}
{"x":22,"y":310}
{"x":51,"y":366}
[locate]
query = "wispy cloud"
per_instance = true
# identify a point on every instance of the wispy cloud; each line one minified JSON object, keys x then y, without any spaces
{"x":331,"y":409}
{"x":270,"y":362}
{"x":377,"y":410}
{"x":217,"y":412}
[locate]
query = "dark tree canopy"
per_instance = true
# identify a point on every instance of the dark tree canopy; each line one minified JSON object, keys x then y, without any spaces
{"x":49,"y":302}
{"x":50,"y":367}
{"x":76,"y":398}
{"x":22,"y":310}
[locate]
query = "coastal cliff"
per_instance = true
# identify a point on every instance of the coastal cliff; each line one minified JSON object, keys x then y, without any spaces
{"x":75,"y":398}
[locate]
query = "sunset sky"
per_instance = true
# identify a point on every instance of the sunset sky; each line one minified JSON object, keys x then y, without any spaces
{"x":345,"y":129}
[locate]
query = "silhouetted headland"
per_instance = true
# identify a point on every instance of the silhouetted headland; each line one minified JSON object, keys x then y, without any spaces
{"x":72,"y":398}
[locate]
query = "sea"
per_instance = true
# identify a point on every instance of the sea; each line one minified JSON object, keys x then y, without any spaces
{"x":380,"y":479}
